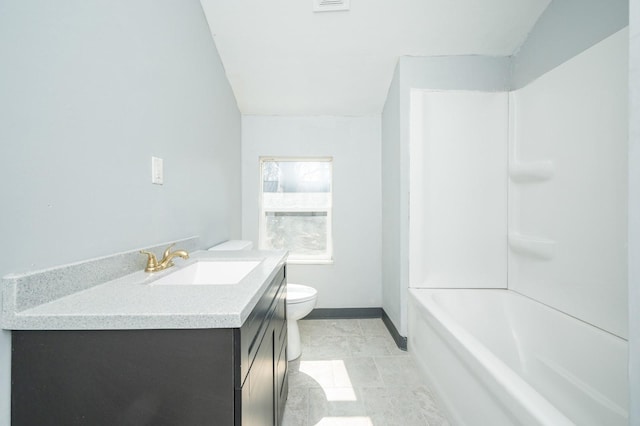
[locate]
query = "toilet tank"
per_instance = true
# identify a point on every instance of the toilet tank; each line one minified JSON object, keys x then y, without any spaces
{"x":233,"y":245}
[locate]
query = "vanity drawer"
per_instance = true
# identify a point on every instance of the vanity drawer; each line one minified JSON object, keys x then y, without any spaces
{"x":254,"y":328}
{"x":280,"y":315}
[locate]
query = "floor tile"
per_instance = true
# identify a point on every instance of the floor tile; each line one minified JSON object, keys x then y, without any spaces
{"x":294,"y":417}
{"x":398,"y":371}
{"x":351,"y":373}
{"x":296,"y":411}
{"x":401,"y":400}
{"x":363,"y":372}
{"x":321,"y":405}
{"x":369,"y":346}
{"x":326,"y":347}
{"x":340,"y":327}
{"x":373,"y":327}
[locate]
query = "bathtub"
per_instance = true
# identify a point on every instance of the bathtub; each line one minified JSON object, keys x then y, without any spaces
{"x":495,"y":357}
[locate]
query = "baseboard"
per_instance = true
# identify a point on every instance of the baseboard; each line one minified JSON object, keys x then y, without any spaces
{"x":401,"y":341}
{"x":355,"y":313}
{"x":345,"y":313}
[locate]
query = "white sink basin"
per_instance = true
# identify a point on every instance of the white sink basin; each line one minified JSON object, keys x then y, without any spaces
{"x":210,"y":272}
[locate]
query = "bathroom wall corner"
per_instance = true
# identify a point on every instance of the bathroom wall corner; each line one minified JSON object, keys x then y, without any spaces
{"x":634,"y":214}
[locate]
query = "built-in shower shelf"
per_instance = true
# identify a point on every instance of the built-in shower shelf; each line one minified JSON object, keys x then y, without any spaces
{"x":536,"y":247}
{"x":532,"y":171}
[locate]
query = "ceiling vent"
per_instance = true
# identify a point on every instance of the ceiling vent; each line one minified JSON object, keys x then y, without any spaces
{"x":330,"y":5}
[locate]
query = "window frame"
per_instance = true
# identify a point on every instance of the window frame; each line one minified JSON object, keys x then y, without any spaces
{"x":294,"y":258}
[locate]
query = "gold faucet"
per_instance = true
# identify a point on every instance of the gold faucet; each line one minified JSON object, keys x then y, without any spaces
{"x":166,"y":262}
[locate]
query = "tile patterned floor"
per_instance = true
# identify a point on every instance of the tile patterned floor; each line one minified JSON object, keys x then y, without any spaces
{"x":351,"y":373}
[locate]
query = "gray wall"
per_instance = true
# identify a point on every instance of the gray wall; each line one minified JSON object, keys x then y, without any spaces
{"x":566,"y":28}
{"x":484,"y":73}
{"x":634,"y":213}
{"x":89,"y":91}
{"x":390,"y":121}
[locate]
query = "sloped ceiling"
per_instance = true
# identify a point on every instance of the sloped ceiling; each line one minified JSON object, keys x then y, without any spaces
{"x":282,"y":58}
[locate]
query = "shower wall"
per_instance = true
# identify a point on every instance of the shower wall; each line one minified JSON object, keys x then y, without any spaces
{"x":458,"y":189}
{"x":537,"y":176}
{"x":472,"y":73}
{"x":568,"y":186}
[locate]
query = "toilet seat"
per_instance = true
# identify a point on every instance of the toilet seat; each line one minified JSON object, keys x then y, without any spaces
{"x":298,"y":293}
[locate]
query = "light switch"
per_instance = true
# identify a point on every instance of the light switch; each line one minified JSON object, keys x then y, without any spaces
{"x":157,"y":173}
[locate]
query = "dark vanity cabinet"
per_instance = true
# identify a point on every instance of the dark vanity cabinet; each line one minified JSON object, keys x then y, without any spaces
{"x":220,"y":376}
{"x":263,"y":372}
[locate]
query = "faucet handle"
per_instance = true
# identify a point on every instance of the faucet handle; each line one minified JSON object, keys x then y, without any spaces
{"x":152,"y":261}
{"x":167,"y":251}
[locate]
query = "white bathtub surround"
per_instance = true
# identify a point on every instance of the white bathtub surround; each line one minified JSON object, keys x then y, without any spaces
{"x":501,"y":357}
{"x":558,"y":355}
{"x":566,"y":172}
{"x":568,"y":186}
{"x":458,"y":189}
{"x":458,"y":72}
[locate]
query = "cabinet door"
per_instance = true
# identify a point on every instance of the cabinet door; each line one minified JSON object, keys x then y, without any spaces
{"x":122,"y":377}
{"x":257,"y":393}
{"x":280,"y":365}
{"x":281,"y":379}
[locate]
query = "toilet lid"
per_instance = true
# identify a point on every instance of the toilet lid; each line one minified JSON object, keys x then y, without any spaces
{"x":297,"y":293}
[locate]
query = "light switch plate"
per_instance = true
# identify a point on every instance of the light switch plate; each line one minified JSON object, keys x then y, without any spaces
{"x":157,"y":172}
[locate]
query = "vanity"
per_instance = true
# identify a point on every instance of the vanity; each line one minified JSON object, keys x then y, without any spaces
{"x":134,"y":351}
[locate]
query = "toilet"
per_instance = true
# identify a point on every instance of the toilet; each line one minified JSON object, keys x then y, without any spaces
{"x":301,"y":299}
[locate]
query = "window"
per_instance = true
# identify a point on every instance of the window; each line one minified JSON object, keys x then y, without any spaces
{"x":295,"y":207}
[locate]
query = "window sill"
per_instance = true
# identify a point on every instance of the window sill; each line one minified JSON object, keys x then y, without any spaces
{"x":310,"y":261}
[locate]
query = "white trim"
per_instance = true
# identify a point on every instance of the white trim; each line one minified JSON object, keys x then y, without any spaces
{"x":295,"y":159}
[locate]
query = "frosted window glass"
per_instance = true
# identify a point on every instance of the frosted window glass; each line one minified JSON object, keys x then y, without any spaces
{"x":296,"y":207}
{"x":300,"y":233}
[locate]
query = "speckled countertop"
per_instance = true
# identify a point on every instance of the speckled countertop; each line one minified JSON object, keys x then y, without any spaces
{"x":133,"y":302}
